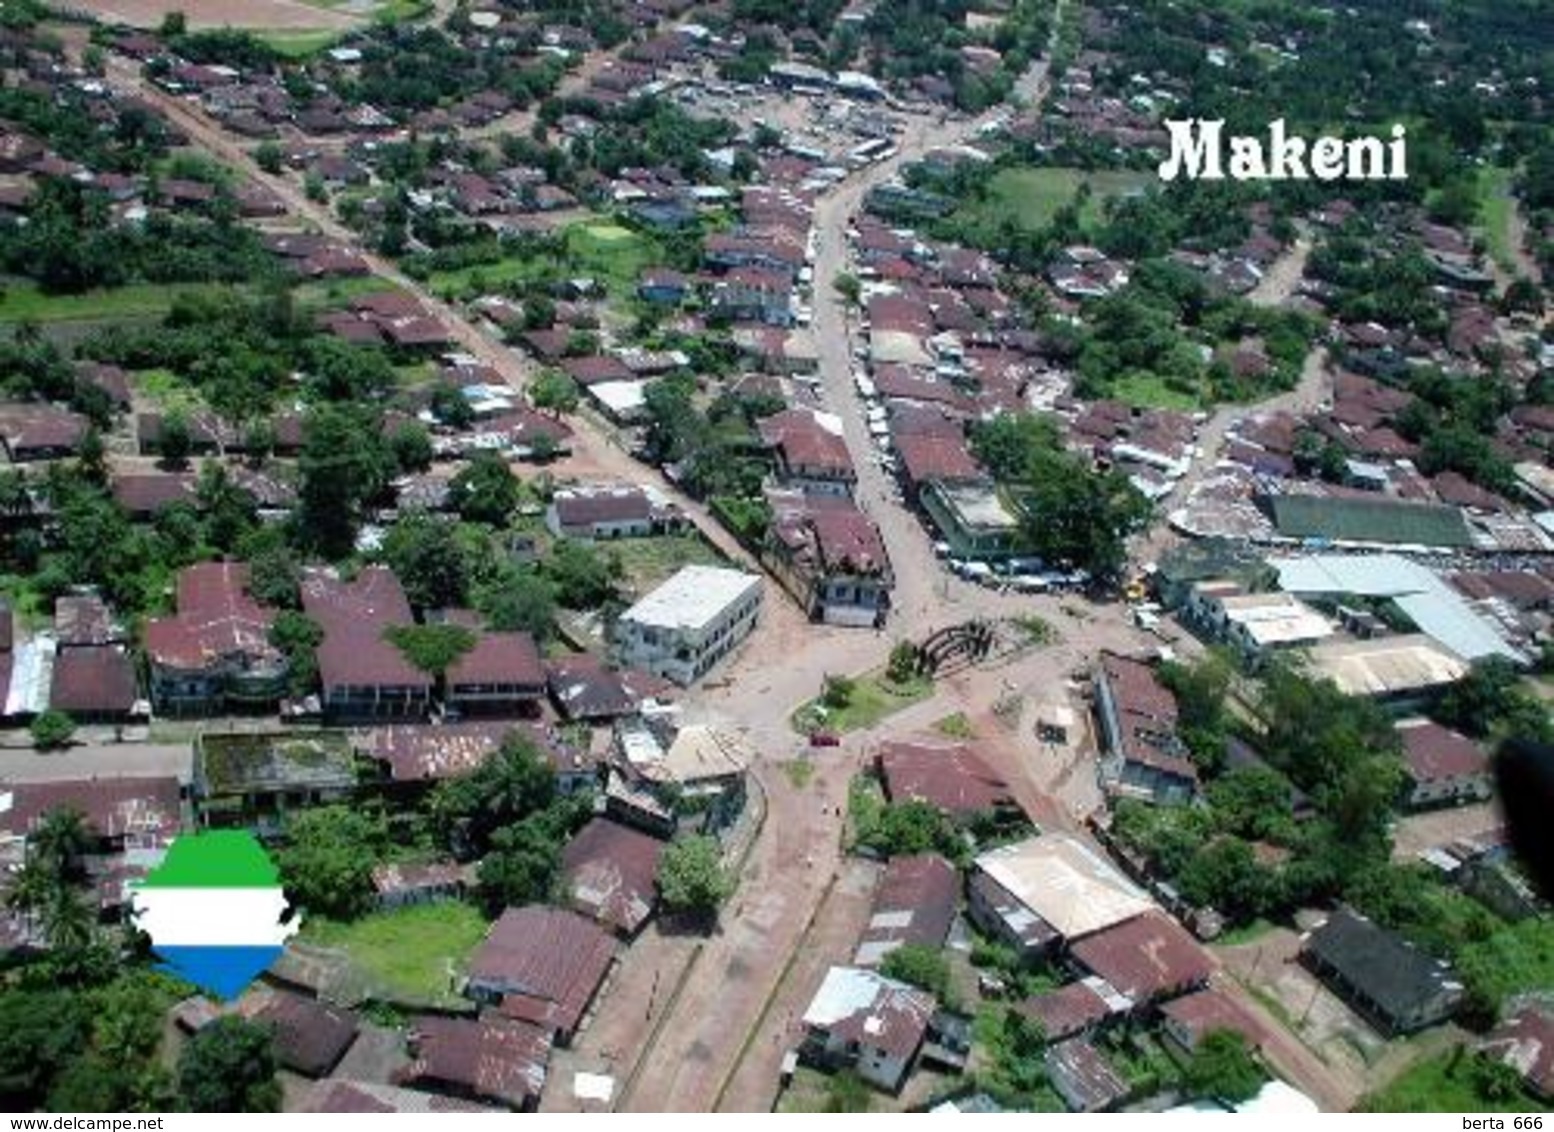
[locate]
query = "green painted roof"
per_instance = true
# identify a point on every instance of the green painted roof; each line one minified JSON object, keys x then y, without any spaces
{"x":1369,"y":520}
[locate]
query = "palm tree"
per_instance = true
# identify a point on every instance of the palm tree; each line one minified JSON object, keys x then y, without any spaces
{"x":60,"y":840}
{"x":15,"y":499}
{"x":32,"y":888}
{"x":67,"y":924}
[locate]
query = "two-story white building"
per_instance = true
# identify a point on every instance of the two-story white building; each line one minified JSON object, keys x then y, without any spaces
{"x":688,"y":624}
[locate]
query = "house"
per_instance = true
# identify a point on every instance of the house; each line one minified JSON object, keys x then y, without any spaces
{"x":122,"y":815}
{"x":95,"y":683}
{"x":131,"y":821}
{"x":974,"y":519}
{"x":1254,"y":624}
{"x":1148,"y":957}
{"x":754,"y":294}
{"x":831,"y":557}
{"x":1142,"y":756}
{"x":401,"y":885}
{"x":1187,"y":1020}
{"x":1387,"y":980}
{"x":1443,"y":767}
{"x":214,"y":655}
{"x":950,"y":777}
{"x":585,"y":689}
{"x":1075,"y":1008}
{"x":542,"y":966}
{"x":1401,"y":672}
{"x":501,"y":675}
{"x":861,"y":1020}
{"x":610,"y":873}
{"x":341,"y":1094}
{"x":492,"y":1060}
{"x":39,"y":432}
{"x":1524,"y":1040}
{"x":609,"y":512}
{"x":662,"y":286}
{"x":310,"y":1036}
{"x":1038,"y":893}
{"x":413,"y":756}
{"x":810,"y":451}
{"x":692,"y":777}
{"x":363,"y":675}
{"x":1085,"y":1080}
{"x":256,"y":779}
{"x":914,"y":903}
{"x":688,"y":624}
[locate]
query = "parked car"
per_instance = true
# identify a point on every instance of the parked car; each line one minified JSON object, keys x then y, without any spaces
{"x":824,"y":739}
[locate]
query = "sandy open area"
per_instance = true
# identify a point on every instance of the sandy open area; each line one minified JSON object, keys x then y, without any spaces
{"x":266,"y":15}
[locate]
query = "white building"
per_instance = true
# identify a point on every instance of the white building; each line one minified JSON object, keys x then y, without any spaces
{"x":1255,"y":623}
{"x":692,"y":621}
{"x":861,"y":1020}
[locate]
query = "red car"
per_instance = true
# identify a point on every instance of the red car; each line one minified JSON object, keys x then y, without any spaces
{"x":824,"y":739}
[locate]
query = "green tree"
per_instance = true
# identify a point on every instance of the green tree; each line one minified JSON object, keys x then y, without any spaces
{"x":52,"y":730}
{"x":554,"y":392}
{"x":328,"y":860}
{"x":41,"y":1031}
{"x":847,"y":1092}
{"x":411,"y":447}
{"x":343,"y":466}
{"x":485,"y":490}
{"x":425,"y":554}
{"x":269,"y":157}
{"x":518,"y":598}
{"x":521,"y":867}
{"x":1223,"y":1068}
{"x":229,"y":1066}
{"x":584,"y":578}
{"x":175,"y":440}
{"x":849,"y":288}
{"x":513,"y":784}
{"x":692,"y":879}
{"x":432,"y":648}
{"x":920,"y":966}
{"x":903,"y":663}
{"x":298,"y":636}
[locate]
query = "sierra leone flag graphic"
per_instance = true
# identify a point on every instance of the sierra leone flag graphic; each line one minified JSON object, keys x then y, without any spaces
{"x":213,"y":910}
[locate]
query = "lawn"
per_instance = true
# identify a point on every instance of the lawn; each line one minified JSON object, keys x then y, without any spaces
{"x":1031,"y":198}
{"x":299,"y":44}
{"x":599,"y":249}
{"x":338,"y":292}
{"x":1146,"y":391}
{"x":651,"y":561}
{"x":24,"y":301}
{"x":814,"y":1091}
{"x":1494,"y":214}
{"x":955,"y":726}
{"x":873,"y":698}
{"x":1443,"y":1084}
{"x":416,"y":953}
{"x":167,"y":390}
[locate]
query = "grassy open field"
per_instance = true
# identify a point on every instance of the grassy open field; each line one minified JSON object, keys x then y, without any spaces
{"x":21,"y":301}
{"x":874,"y":697}
{"x":416,"y":952}
{"x":600,"y":249}
{"x":1031,"y":198}
{"x":258,"y":15}
{"x":650,"y":561}
{"x":1494,"y":214}
{"x":1444,"y":1084}
{"x":1147,"y":391}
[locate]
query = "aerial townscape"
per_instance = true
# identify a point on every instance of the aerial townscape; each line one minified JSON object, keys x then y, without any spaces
{"x":759,"y":555}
